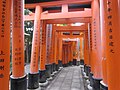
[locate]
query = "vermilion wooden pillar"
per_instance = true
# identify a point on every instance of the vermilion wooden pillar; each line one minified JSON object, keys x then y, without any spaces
{"x":60,"y":52}
{"x":66,"y":55}
{"x":48,"y":65}
{"x":42,"y":71}
{"x":53,"y":47}
{"x":5,"y":43}
{"x":18,"y":77}
{"x":74,"y":53}
{"x":113,"y":44}
{"x":96,"y":42}
{"x":103,"y":24}
{"x":86,"y":59}
{"x":63,"y":54}
{"x":69,"y":53}
{"x":33,"y":81}
{"x":81,"y":51}
{"x":56,"y":52}
{"x":86,"y":53}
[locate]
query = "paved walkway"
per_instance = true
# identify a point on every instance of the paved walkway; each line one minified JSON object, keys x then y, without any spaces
{"x":70,"y":78}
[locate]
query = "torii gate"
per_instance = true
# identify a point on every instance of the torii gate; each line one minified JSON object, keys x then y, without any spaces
{"x":110,"y":17}
{"x":64,"y":16}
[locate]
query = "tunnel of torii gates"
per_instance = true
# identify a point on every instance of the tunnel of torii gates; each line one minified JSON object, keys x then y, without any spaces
{"x":100,"y":34}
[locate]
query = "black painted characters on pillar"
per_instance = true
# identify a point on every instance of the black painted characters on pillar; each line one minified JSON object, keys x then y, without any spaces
{"x":17,"y":14}
{"x":95,"y":35}
{"x":109,"y":17}
{"x":2,"y":53}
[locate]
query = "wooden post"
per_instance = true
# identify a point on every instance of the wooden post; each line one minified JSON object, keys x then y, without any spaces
{"x":42,"y":70}
{"x":86,"y":59}
{"x":74,"y":53}
{"x":103,"y":18}
{"x":113,"y":44}
{"x":63,"y":54}
{"x":5,"y":14}
{"x":33,"y":81}
{"x":86,"y":53}
{"x":53,"y":47}
{"x":81,"y":51}
{"x":49,"y":66}
{"x":60,"y":52}
{"x":96,"y":42}
{"x":18,"y":77}
{"x":56,"y":50}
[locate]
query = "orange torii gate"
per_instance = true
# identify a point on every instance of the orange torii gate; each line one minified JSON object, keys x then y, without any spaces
{"x":18,"y":78}
{"x":5,"y":15}
{"x":34,"y":74}
{"x":84,"y":16}
{"x":103,"y":12}
{"x":112,"y":43}
{"x":96,"y":67}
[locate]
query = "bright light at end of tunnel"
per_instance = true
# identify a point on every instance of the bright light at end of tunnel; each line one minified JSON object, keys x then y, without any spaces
{"x":77,"y":24}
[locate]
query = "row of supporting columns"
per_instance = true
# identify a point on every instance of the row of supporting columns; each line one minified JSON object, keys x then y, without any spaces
{"x":101,"y":47}
{"x":103,"y":38}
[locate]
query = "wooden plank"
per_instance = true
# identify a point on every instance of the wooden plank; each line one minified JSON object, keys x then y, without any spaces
{"x":67,"y":15}
{"x":70,"y":28}
{"x":69,"y":20}
{"x":76,"y":14}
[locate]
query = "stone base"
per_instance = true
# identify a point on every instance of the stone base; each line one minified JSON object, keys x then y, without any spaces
{"x":54,"y":67}
{"x":33,"y":81}
{"x":57,"y":67}
{"x":81,"y":61}
{"x":66,"y":65}
{"x":91,"y":79}
{"x":70,"y":63}
{"x":48,"y":70}
{"x":60,"y":63}
{"x":78,"y":63}
{"x":103,"y":86}
{"x":87,"y":70}
{"x":96,"y":83}
{"x":18,"y":83}
{"x":74,"y":61}
{"x":43,"y":84}
{"x":42,"y":76}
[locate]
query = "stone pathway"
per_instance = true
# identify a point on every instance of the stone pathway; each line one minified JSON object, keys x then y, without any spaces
{"x":70,"y":78}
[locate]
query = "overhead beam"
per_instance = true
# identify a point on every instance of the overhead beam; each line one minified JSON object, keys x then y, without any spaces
{"x":70,"y":28}
{"x":57,"y":3}
{"x":69,"y":20}
{"x":76,"y":14}
{"x":49,"y":16}
{"x":69,"y":36}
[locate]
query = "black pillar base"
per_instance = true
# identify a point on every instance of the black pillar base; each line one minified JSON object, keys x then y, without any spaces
{"x":42,"y":76}
{"x":74,"y":61}
{"x":81,"y":61}
{"x":65,"y":65}
{"x":91,"y":79}
{"x":60,"y":63}
{"x":103,"y":86}
{"x":33,"y":81}
{"x":54,"y":67}
{"x":57,"y":67}
{"x":96,"y":83}
{"x":78,"y":63}
{"x":48,"y":70}
{"x":70,"y":63}
{"x":87,"y":70}
{"x":18,"y":83}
